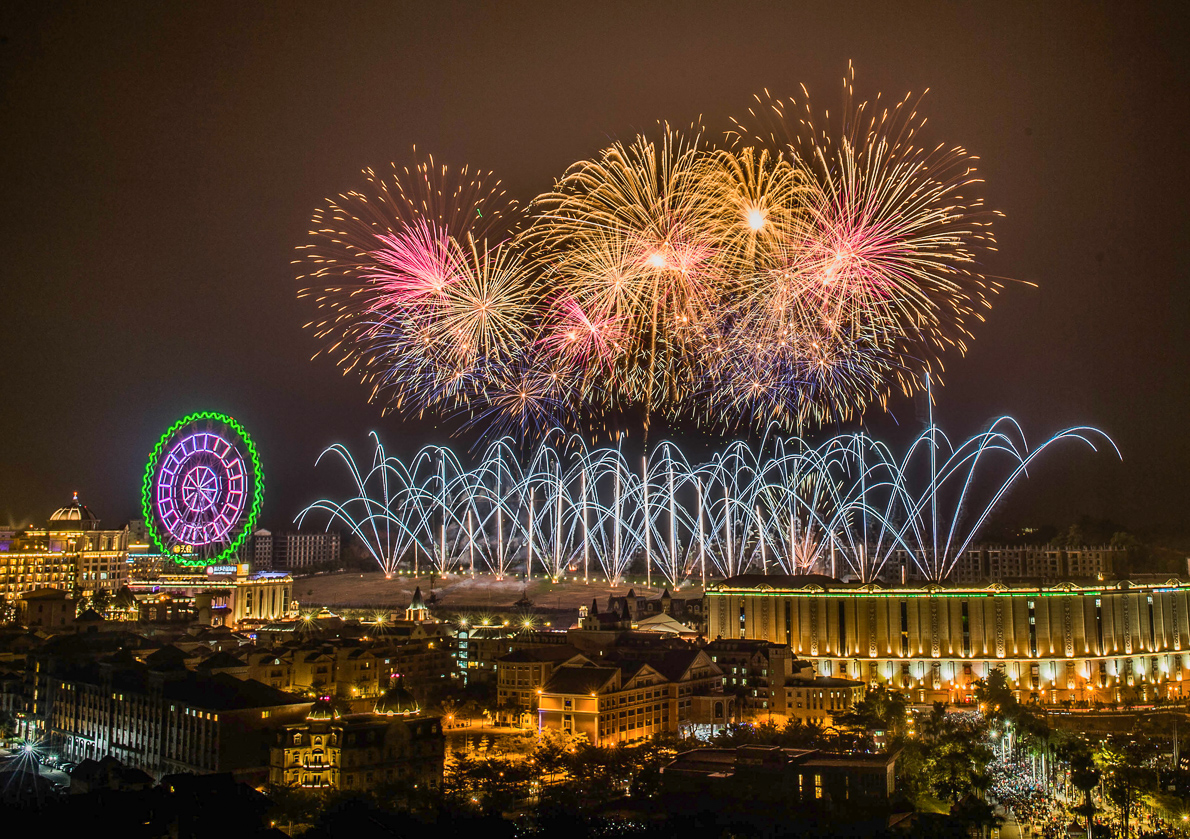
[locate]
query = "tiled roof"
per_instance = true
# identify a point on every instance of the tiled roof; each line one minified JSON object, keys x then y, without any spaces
{"x":222,"y":692}
{"x":576,"y":680}
{"x":526,"y":655}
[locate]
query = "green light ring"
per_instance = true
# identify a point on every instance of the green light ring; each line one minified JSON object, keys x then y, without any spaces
{"x":257,"y":488}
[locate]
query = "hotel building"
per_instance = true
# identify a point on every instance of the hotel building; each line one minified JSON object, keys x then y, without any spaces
{"x":1110,"y":642}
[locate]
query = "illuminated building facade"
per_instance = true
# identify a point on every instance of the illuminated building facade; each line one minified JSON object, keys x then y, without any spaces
{"x":223,"y":595}
{"x":1103,"y":642}
{"x":479,"y":647}
{"x":163,"y":721}
{"x":521,"y":674}
{"x":618,"y":699}
{"x":290,"y":551}
{"x":70,"y":553}
{"x":1041,"y":563}
{"x":394,"y":743}
{"x":769,"y":682}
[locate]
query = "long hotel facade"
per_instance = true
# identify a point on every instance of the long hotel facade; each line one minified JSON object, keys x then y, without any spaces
{"x":1118,"y":641}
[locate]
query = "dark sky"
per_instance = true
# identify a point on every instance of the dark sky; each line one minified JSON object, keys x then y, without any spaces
{"x":160,"y":162}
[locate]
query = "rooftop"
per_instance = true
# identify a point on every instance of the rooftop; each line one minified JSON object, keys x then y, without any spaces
{"x":527,"y":655}
{"x":586,"y":678}
{"x":74,"y":516}
{"x":222,"y":692}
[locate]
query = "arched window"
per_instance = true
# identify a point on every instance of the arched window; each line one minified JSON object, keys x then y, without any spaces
{"x":297,"y":739}
{"x":317,"y":741}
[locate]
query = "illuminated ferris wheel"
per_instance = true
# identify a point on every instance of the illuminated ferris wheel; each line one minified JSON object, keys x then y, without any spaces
{"x":203,"y":489}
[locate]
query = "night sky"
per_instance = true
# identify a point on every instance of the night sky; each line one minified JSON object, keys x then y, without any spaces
{"x":159,"y":164}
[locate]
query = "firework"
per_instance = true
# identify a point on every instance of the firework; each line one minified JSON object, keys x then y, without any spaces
{"x":844,"y":507}
{"x":797,"y":275}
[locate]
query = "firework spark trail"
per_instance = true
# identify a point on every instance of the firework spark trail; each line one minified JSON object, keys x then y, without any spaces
{"x":846,"y":507}
{"x":803,"y":271}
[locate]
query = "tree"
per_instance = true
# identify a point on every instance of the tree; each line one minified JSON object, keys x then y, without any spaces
{"x":995,"y":697}
{"x":975,"y":812}
{"x":880,"y":708}
{"x":1084,"y":776}
{"x":956,"y":755}
{"x":799,"y":734}
{"x":100,"y":600}
{"x":8,"y":725}
{"x":551,"y":752}
{"x":469,"y":710}
{"x":292,"y":805}
{"x":1124,"y":762}
{"x":124,"y":599}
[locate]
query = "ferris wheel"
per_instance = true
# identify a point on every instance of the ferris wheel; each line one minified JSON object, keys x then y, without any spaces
{"x":203,"y":489}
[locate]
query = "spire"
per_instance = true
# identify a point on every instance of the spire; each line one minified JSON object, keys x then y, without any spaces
{"x":417,"y":610}
{"x":594,"y":606}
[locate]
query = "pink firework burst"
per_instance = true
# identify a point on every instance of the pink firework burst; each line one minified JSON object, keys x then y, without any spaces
{"x":583,"y":336}
{"x":414,"y":265}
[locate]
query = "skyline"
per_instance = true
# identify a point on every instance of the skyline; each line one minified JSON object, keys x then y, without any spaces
{"x":216,"y":197}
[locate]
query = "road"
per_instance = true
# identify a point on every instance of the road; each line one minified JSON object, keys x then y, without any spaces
{"x":1010,"y":829}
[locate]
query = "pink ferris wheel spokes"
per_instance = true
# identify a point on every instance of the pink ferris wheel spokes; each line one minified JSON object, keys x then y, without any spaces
{"x":200,"y":490}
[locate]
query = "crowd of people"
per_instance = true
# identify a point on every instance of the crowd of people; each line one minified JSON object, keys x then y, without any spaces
{"x":1024,"y":799}
{"x":1042,"y":814}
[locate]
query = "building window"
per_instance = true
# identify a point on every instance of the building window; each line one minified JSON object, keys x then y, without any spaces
{"x":966,"y":631}
{"x":842,"y":647}
{"x":904,"y":628}
{"x":1032,"y":629}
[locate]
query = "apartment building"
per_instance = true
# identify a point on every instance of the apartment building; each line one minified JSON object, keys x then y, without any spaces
{"x":520,"y":676}
{"x":770,"y":682}
{"x":295,"y":551}
{"x":166,"y":721}
{"x":615,"y":699}
{"x":393,"y":743}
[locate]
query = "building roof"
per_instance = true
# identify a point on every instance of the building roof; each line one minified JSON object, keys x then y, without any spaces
{"x":108,"y":770}
{"x":221,"y":661}
{"x":322,"y":709}
{"x":780,"y":580}
{"x":673,"y":664}
{"x":397,"y":701}
{"x":741,"y":645}
{"x":528,"y":655}
{"x":167,"y":656}
{"x":663,"y":623}
{"x":43,"y":594}
{"x":586,"y":678}
{"x":726,"y":762}
{"x":75,"y":516}
{"x":221,"y":692}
